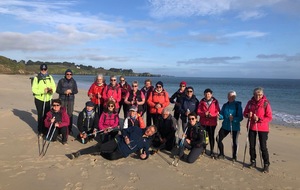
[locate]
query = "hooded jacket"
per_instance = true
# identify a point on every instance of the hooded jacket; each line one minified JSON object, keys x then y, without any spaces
{"x":262,"y":109}
{"x":235,"y":109}
{"x":95,"y":89}
{"x":161,"y":98}
{"x":65,"y":84}
{"x":213,"y":109}
{"x":39,"y":84}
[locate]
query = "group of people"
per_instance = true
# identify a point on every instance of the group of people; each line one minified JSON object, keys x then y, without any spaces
{"x":101,"y":115}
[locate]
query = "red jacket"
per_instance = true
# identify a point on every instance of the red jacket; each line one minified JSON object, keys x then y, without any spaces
{"x":108,"y":120}
{"x":94,"y":90}
{"x":213,"y":109}
{"x":111,"y":92}
{"x":263,"y":110}
{"x":63,"y":118}
{"x":161,"y":98}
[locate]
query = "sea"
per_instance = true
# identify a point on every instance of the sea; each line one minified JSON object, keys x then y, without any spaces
{"x":283,"y":94}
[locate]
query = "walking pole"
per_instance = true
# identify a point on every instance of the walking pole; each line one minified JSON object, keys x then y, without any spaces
{"x":259,"y":146}
{"x":49,"y":141}
{"x":231,"y":135}
{"x":99,"y":104}
{"x":45,"y":140}
{"x":44,"y":105}
{"x":248,"y":127}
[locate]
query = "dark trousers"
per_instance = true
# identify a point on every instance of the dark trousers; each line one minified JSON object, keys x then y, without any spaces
{"x":148,"y":117}
{"x":176,"y":113}
{"x":169,"y":144}
{"x":108,"y":136}
{"x":98,"y":109}
{"x":193,"y":154}
{"x":154,"y":118}
{"x":262,"y":137}
{"x":68,"y":103}
{"x":108,"y":150}
{"x":222,"y":134}
{"x":39,"y":108}
{"x":63,"y":131}
{"x":210,"y":130}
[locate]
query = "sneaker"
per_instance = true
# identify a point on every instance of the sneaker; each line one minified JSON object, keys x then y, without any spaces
{"x":65,"y":143}
{"x":74,"y":155}
{"x":212,"y":156}
{"x":40,"y":135}
{"x":266,"y":168}
{"x":221,"y":157}
{"x":252,"y":164}
{"x":234,"y":159}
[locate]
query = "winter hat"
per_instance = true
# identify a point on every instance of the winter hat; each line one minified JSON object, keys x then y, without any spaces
{"x":183,"y":83}
{"x":160,"y":83}
{"x":68,"y":71}
{"x":43,"y":66}
{"x":190,"y":88}
{"x":89,"y":103}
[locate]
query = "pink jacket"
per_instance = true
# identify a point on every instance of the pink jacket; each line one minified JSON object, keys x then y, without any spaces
{"x":114,"y":93}
{"x":108,"y":120}
{"x":213,"y":109}
{"x":94,"y":90}
{"x":263,"y":110}
{"x":64,"y":120}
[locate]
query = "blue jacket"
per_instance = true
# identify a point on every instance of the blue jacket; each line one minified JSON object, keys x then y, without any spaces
{"x":235,"y":109}
{"x":188,"y":103}
{"x":137,"y":141}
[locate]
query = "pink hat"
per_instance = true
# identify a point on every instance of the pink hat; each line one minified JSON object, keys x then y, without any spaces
{"x":183,"y":83}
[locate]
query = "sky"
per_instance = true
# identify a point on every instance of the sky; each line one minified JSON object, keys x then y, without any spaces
{"x":195,"y":38}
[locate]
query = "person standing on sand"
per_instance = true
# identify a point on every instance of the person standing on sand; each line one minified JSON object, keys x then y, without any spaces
{"x":43,"y":86}
{"x":59,"y":119}
{"x":112,"y":92}
{"x":208,"y":110}
{"x":67,"y":88}
{"x":232,"y":115}
{"x":258,"y":111}
{"x":135,"y":97}
{"x":147,"y":89}
{"x":194,"y":139}
{"x":125,"y":88}
{"x":131,"y":140}
{"x":158,"y":100}
{"x":178,"y":95}
{"x":95,"y":93}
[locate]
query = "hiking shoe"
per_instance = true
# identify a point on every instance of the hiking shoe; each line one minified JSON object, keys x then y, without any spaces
{"x":234,"y":159}
{"x":74,"y":155}
{"x":65,"y":143}
{"x":212,"y":156}
{"x":40,"y":135}
{"x":266,"y":169}
{"x":221,"y":157}
{"x":252,"y":164}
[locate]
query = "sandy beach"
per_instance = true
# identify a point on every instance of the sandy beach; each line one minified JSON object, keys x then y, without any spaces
{"x":22,"y":168}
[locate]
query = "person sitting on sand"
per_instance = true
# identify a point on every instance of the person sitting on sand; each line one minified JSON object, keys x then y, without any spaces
{"x":134,"y":119}
{"x":58,"y":119}
{"x":166,"y":128}
{"x":109,"y":121}
{"x":194,"y":139}
{"x":131,"y":140}
{"x":87,"y":123}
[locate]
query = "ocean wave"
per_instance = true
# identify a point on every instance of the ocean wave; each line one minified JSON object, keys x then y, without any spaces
{"x":293,"y":120}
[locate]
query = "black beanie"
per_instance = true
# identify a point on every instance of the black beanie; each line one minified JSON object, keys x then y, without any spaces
{"x":160,"y":83}
{"x":68,"y":71}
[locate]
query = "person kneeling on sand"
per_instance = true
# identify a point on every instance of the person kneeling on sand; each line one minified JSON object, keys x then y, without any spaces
{"x":131,"y":140}
{"x":87,"y":123}
{"x":57,"y":121}
{"x":194,"y":139}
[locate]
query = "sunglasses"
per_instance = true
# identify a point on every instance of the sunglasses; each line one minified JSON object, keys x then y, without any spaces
{"x":55,"y":105}
{"x":189,"y":91}
{"x":113,"y":79}
{"x":43,"y":69}
{"x":111,"y":106}
{"x":192,"y":119}
{"x":122,"y":80}
{"x":158,"y":86}
{"x":134,"y":85}
{"x":69,"y":74}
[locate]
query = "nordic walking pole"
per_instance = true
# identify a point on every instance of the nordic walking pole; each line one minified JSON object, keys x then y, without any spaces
{"x":231,"y":134}
{"x":99,"y":104}
{"x":248,"y":127}
{"x":44,"y":105}
{"x":259,"y":145}
{"x":44,"y":143}
{"x":49,"y":142}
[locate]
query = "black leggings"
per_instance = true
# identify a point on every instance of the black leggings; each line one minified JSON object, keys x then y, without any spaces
{"x":39,"y":108}
{"x":210,"y":130}
{"x":222,"y":134}
{"x":108,"y":150}
{"x":193,"y":154}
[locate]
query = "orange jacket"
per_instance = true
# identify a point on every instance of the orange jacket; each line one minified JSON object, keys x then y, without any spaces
{"x":155,"y":98}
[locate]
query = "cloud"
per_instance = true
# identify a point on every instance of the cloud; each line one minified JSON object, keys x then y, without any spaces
{"x":247,"y":15}
{"x":246,"y":34}
{"x":212,"y":60}
{"x":292,"y":58}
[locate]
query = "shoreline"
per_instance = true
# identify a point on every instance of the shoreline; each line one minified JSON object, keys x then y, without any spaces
{"x":21,"y":166}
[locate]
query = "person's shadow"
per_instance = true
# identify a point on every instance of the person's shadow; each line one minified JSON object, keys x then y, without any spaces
{"x":27,"y":117}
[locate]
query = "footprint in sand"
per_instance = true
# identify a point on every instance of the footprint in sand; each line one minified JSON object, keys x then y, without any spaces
{"x":41,"y":176}
{"x":133,"y":177}
{"x":109,"y":186}
{"x":68,"y":186}
{"x":78,"y":186}
{"x":84,"y":173}
{"x":19,"y":173}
